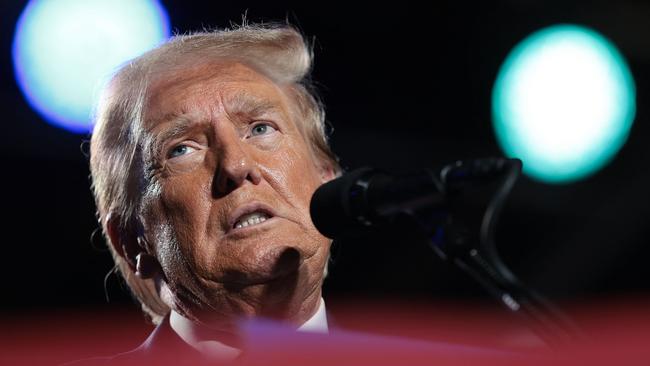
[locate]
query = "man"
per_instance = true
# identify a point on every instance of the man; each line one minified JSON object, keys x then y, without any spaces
{"x":204,"y":157}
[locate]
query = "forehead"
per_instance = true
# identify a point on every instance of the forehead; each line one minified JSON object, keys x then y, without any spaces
{"x":208,"y":87}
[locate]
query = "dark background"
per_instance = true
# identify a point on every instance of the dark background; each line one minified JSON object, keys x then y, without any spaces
{"x":406,"y":86}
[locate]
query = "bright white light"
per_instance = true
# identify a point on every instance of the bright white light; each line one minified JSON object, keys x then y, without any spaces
{"x":564,"y":102}
{"x":65,"y":49}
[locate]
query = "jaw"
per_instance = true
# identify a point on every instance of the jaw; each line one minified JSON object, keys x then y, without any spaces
{"x":292,"y":299}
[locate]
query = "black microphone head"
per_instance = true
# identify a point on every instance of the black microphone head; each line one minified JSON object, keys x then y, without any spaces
{"x":330,"y":207}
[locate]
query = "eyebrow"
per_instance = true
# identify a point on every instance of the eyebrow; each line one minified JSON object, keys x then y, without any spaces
{"x":248,"y":104}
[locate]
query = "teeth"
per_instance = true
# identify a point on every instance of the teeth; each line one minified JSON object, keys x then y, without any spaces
{"x":251,"y":219}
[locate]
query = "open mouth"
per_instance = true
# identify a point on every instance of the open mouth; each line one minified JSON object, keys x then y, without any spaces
{"x":250,"y":214}
{"x":251,"y":219}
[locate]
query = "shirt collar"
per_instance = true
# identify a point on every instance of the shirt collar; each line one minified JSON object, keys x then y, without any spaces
{"x":318,"y":322}
{"x":189,"y":332}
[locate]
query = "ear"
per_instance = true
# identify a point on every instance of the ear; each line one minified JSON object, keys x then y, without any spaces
{"x":132,"y":247}
{"x":124,"y":243}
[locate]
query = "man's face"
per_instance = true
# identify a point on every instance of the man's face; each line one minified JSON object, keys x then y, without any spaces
{"x":227,"y":210}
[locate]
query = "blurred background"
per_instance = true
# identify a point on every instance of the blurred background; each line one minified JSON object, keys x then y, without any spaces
{"x":406,"y":87}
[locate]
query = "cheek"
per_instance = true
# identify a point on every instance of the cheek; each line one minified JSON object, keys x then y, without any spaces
{"x":161,"y":206}
{"x":185,"y":202}
{"x":297,"y":173}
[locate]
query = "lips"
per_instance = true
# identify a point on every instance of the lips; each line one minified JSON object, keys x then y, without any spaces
{"x":250,"y":214}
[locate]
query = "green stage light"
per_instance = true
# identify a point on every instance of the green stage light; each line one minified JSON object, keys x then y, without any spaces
{"x":563,"y":102}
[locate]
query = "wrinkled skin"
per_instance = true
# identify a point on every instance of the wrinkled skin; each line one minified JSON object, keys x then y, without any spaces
{"x":226,"y":136}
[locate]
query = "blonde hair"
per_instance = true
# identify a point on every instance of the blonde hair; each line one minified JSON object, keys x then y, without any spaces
{"x":116,"y":163}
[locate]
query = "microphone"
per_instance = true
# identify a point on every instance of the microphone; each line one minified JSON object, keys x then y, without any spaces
{"x":368,"y":198}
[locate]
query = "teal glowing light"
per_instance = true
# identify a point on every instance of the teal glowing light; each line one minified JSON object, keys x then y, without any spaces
{"x":63,"y":50}
{"x":563,"y":102}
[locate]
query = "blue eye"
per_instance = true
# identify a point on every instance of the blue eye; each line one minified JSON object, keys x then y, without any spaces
{"x":262,"y":129}
{"x":180,"y":150}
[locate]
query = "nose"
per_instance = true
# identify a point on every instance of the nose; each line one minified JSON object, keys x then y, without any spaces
{"x":235,"y":165}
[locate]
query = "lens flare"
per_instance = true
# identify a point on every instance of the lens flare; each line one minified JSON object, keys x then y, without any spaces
{"x":64,"y":51}
{"x":564,"y":103}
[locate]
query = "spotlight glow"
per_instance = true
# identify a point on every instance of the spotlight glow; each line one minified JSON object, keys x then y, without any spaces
{"x":64,"y":50}
{"x":564,"y":102}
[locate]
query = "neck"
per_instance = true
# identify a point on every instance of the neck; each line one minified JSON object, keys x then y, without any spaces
{"x":225,"y":345}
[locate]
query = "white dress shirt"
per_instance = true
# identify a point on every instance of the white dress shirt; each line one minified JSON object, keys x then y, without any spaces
{"x":189,"y":332}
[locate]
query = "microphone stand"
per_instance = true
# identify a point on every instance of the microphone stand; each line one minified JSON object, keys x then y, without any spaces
{"x":466,"y":238}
